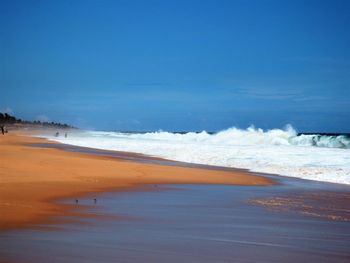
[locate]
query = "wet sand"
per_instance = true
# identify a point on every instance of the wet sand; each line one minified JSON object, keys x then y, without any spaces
{"x":187,"y":223}
{"x":326,"y":204}
{"x":31,"y":178}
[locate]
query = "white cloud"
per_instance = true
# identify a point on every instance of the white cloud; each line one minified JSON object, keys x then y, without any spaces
{"x":42,"y":118}
{"x":269,"y":93}
{"x":7,"y":110}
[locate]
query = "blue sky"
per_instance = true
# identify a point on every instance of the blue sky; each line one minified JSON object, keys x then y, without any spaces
{"x":177,"y":65}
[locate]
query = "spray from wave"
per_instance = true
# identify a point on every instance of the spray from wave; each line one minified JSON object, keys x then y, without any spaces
{"x":318,"y":157}
{"x":250,"y":136}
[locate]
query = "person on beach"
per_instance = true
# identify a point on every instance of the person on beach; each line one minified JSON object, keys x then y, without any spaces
{"x":65,"y":135}
{"x":2,"y":130}
{"x":57,"y":134}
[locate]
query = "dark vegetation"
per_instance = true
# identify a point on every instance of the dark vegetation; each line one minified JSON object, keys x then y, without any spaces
{"x":7,"y":119}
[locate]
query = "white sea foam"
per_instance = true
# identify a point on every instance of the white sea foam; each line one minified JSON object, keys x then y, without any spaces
{"x":314,"y":157}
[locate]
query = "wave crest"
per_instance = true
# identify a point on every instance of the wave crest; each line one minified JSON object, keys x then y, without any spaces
{"x":340,"y":141}
{"x":249,"y":136}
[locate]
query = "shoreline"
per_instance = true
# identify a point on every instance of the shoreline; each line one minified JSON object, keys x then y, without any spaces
{"x":32,"y":179}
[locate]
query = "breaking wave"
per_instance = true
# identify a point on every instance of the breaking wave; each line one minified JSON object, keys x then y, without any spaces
{"x":330,"y":141}
{"x":250,"y":136}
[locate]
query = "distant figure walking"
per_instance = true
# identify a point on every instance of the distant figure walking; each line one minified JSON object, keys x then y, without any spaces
{"x":76,"y":201}
{"x":2,"y":130}
{"x":57,"y":134}
{"x":65,"y":135}
{"x":95,"y":200}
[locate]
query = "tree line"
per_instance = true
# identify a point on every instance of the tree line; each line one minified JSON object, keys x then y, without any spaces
{"x":6,"y":118}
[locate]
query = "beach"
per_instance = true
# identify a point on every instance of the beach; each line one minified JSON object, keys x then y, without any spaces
{"x":32,"y":178}
{"x":63,"y":203}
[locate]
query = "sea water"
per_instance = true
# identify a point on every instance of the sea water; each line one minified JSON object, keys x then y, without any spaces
{"x":284,"y":152}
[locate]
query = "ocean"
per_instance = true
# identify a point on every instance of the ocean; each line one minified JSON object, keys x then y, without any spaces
{"x":320,"y":157}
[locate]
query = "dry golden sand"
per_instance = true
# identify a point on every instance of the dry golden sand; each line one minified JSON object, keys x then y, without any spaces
{"x":32,"y":178}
